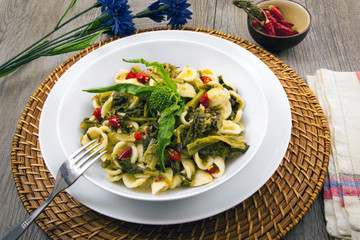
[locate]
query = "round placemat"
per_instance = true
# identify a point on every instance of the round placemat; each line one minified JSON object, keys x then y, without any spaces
{"x":270,"y":213}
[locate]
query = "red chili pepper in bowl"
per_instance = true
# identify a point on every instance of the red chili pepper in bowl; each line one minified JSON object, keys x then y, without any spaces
{"x":97,"y":113}
{"x":270,"y":17}
{"x":126,"y":153}
{"x":285,"y":23}
{"x":130,"y":75}
{"x":142,"y":77}
{"x":114,"y":121}
{"x":204,"y":100}
{"x":256,"y":25}
{"x":268,"y":28}
{"x":275,"y":12}
{"x":282,"y":30}
{"x":173,"y":154}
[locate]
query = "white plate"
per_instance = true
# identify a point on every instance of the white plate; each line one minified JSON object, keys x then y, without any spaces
{"x":180,"y":52}
{"x":219,"y":199}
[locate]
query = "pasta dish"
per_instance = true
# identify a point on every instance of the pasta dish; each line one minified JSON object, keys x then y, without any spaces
{"x":166,"y":127}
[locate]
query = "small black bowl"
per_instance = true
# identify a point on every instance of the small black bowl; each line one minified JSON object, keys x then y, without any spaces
{"x":293,"y":12}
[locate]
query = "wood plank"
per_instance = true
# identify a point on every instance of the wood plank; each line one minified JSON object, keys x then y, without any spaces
{"x":331,"y":43}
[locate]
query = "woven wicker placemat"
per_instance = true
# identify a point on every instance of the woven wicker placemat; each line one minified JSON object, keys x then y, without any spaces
{"x":270,"y":213}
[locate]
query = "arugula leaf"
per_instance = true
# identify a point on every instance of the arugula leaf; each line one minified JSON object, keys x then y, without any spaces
{"x":166,"y":130}
{"x":130,"y":88}
{"x":159,"y":67}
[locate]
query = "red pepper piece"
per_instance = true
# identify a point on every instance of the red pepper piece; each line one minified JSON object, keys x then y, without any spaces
{"x":282,"y":30}
{"x":142,"y":77}
{"x":204,"y":100}
{"x":114,"y":121}
{"x":126,"y":153}
{"x":268,"y":28}
{"x":285,"y":23}
{"x":270,"y":17}
{"x":275,"y":12}
{"x":130,"y":75}
{"x":173,"y":154}
{"x":97,"y":113}
{"x":212,"y":169}
{"x":206,"y":79}
{"x":138,"y":136}
{"x":255,"y":23}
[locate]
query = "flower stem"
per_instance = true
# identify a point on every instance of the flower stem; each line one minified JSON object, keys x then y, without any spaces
{"x":8,"y":65}
{"x":147,"y":12}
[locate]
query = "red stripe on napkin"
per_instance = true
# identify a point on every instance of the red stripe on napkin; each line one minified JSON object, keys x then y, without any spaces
{"x":358,"y":75}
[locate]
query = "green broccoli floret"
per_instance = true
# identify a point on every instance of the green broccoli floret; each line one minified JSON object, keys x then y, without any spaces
{"x":161,"y":98}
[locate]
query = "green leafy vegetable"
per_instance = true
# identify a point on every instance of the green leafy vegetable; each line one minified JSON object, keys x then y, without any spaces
{"x":160,"y":68}
{"x":233,"y":141}
{"x":163,"y":99}
{"x":131,"y":168}
{"x":221,"y":149}
{"x":129,"y":88}
{"x":166,"y":130}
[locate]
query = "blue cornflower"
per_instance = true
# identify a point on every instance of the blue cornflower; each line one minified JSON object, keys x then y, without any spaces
{"x":157,"y":16}
{"x":177,"y":12}
{"x":121,"y":20}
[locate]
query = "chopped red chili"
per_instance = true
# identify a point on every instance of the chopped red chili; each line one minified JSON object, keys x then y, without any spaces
{"x":114,"y":121}
{"x":130,"y":75}
{"x":138,"y":136}
{"x":212,"y":169}
{"x":97,"y":113}
{"x":206,"y":79}
{"x":142,"y":77}
{"x":173,"y":154}
{"x":204,"y":100}
{"x":159,"y":178}
{"x":126,"y":153}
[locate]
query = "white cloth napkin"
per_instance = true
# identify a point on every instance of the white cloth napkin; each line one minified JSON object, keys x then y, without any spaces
{"x":339,"y":96}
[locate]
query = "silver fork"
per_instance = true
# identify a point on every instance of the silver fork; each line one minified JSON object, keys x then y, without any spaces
{"x":67,"y":174}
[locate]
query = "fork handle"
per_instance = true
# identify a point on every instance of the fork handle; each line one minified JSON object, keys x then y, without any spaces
{"x":16,"y":232}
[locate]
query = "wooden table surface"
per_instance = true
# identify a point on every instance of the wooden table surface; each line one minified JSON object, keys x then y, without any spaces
{"x":332,"y":43}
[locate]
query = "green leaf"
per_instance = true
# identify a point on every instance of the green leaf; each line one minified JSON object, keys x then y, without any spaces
{"x":66,"y":12}
{"x":166,"y":128}
{"x":160,"y":68}
{"x":38,"y":46}
{"x":129,"y":88}
{"x":233,"y":141}
{"x":75,"y":46}
{"x":93,"y":27}
{"x":8,"y":72}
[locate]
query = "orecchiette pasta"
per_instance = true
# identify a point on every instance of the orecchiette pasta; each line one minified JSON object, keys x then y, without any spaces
{"x":229,"y":127}
{"x":201,"y":177}
{"x":218,"y":97}
{"x":187,"y":74}
{"x":186,"y":90}
{"x":134,"y":180}
{"x":220,"y":165}
{"x":206,"y":124}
